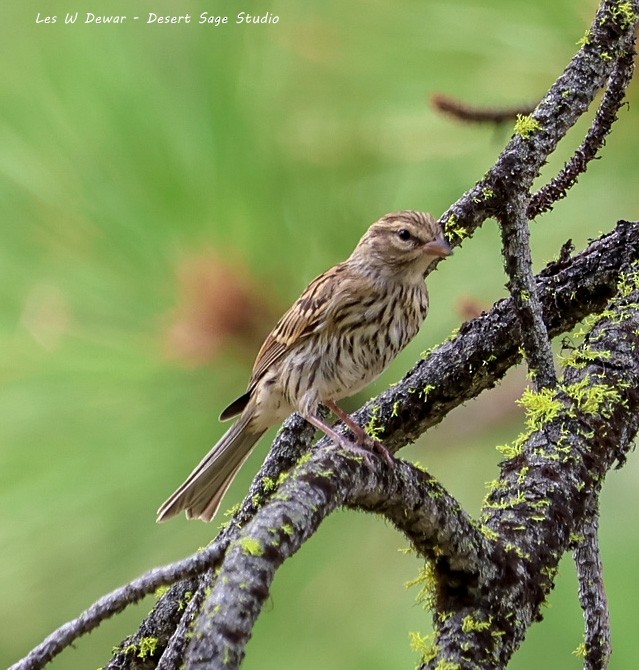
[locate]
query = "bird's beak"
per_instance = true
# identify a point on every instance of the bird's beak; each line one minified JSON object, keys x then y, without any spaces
{"x":439,"y":248}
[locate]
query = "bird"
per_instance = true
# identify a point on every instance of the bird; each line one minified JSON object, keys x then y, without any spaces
{"x":342,"y":332}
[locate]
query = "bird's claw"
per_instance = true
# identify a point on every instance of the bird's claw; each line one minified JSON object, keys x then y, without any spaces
{"x":383,"y":451}
{"x":377,"y":447}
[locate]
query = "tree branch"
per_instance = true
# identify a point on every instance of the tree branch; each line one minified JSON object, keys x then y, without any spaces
{"x":453,"y":373}
{"x":613,"y":99}
{"x":577,"y":432}
{"x":592,"y":592}
{"x":328,"y":478}
{"x":521,"y":284}
{"x":529,"y":516}
{"x":488,"y":575}
{"x":115,"y":602}
{"x":292,"y":440}
{"x":611,"y":33}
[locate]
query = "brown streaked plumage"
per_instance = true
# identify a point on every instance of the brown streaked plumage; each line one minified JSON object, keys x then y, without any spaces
{"x":342,"y":332}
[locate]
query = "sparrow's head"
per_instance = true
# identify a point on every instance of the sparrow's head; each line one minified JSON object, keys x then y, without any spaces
{"x":404,"y":243}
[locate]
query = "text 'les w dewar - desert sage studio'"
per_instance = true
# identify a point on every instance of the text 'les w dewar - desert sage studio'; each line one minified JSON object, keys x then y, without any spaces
{"x":153,"y":18}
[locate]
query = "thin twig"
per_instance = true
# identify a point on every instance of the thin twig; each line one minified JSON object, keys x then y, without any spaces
{"x":544,"y":199}
{"x":564,"y":104}
{"x":521,"y":284}
{"x":462,"y":111}
{"x":115,"y":602}
{"x":592,"y":592}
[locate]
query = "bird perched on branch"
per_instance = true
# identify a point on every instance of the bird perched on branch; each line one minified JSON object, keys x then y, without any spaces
{"x":342,"y":332}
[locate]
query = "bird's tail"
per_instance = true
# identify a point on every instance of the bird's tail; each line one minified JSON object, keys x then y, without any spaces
{"x":202,"y":492}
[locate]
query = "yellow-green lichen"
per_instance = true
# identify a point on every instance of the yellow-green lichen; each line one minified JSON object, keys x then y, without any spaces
{"x":251,"y":546}
{"x":160,"y":591}
{"x":526,"y":125}
{"x":374,"y":429}
{"x":623,"y":15}
{"x":269,"y":484}
{"x":581,"y":650}
{"x":129,"y":649}
{"x":584,"y":355}
{"x":488,"y":533}
{"x":428,"y":583}
{"x":517,"y":550}
{"x":288,"y":529}
{"x":148,"y":647}
{"x":424,"y":645}
{"x":454,"y":231}
{"x":185,"y":600}
{"x":488,"y":360}
{"x":305,"y":458}
{"x":447,"y":665}
{"x":591,"y":398}
{"x":420,"y":466}
{"x":469,"y":624}
{"x":585,"y":40}
{"x":232,"y":511}
{"x":426,"y":390}
{"x":507,"y":503}
{"x":511,"y":451}
{"x":628,"y":283}
{"x":486,"y":194}
{"x":282,"y":477}
{"x":550,"y":572}
{"x":541,"y":407}
{"x":494,"y":485}
{"x":145,"y":649}
{"x":523,"y":473}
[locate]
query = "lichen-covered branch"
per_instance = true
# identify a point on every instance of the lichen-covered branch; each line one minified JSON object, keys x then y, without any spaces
{"x":609,"y":40}
{"x":115,"y":602}
{"x":493,"y":575}
{"x":170,"y":613}
{"x":576,"y":434}
{"x":521,"y":284}
{"x":592,"y":593}
{"x":458,"y":370}
{"x":497,"y":578}
{"x":328,"y":478}
{"x":479,"y":355}
{"x":613,"y":99}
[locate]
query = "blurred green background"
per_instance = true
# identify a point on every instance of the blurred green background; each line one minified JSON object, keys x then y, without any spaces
{"x":166,"y":192}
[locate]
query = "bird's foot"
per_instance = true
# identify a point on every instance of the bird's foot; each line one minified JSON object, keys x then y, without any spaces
{"x":382,"y":450}
{"x":361,"y":436}
{"x":363,"y":444}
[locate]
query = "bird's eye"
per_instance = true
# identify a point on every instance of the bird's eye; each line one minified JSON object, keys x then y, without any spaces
{"x":404,"y":235}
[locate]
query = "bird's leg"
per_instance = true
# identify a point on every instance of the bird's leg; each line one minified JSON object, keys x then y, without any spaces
{"x":329,"y":432}
{"x":337,"y":438}
{"x":360,"y":434}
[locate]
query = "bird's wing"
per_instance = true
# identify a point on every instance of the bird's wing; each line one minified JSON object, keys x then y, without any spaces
{"x":309,"y":313}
